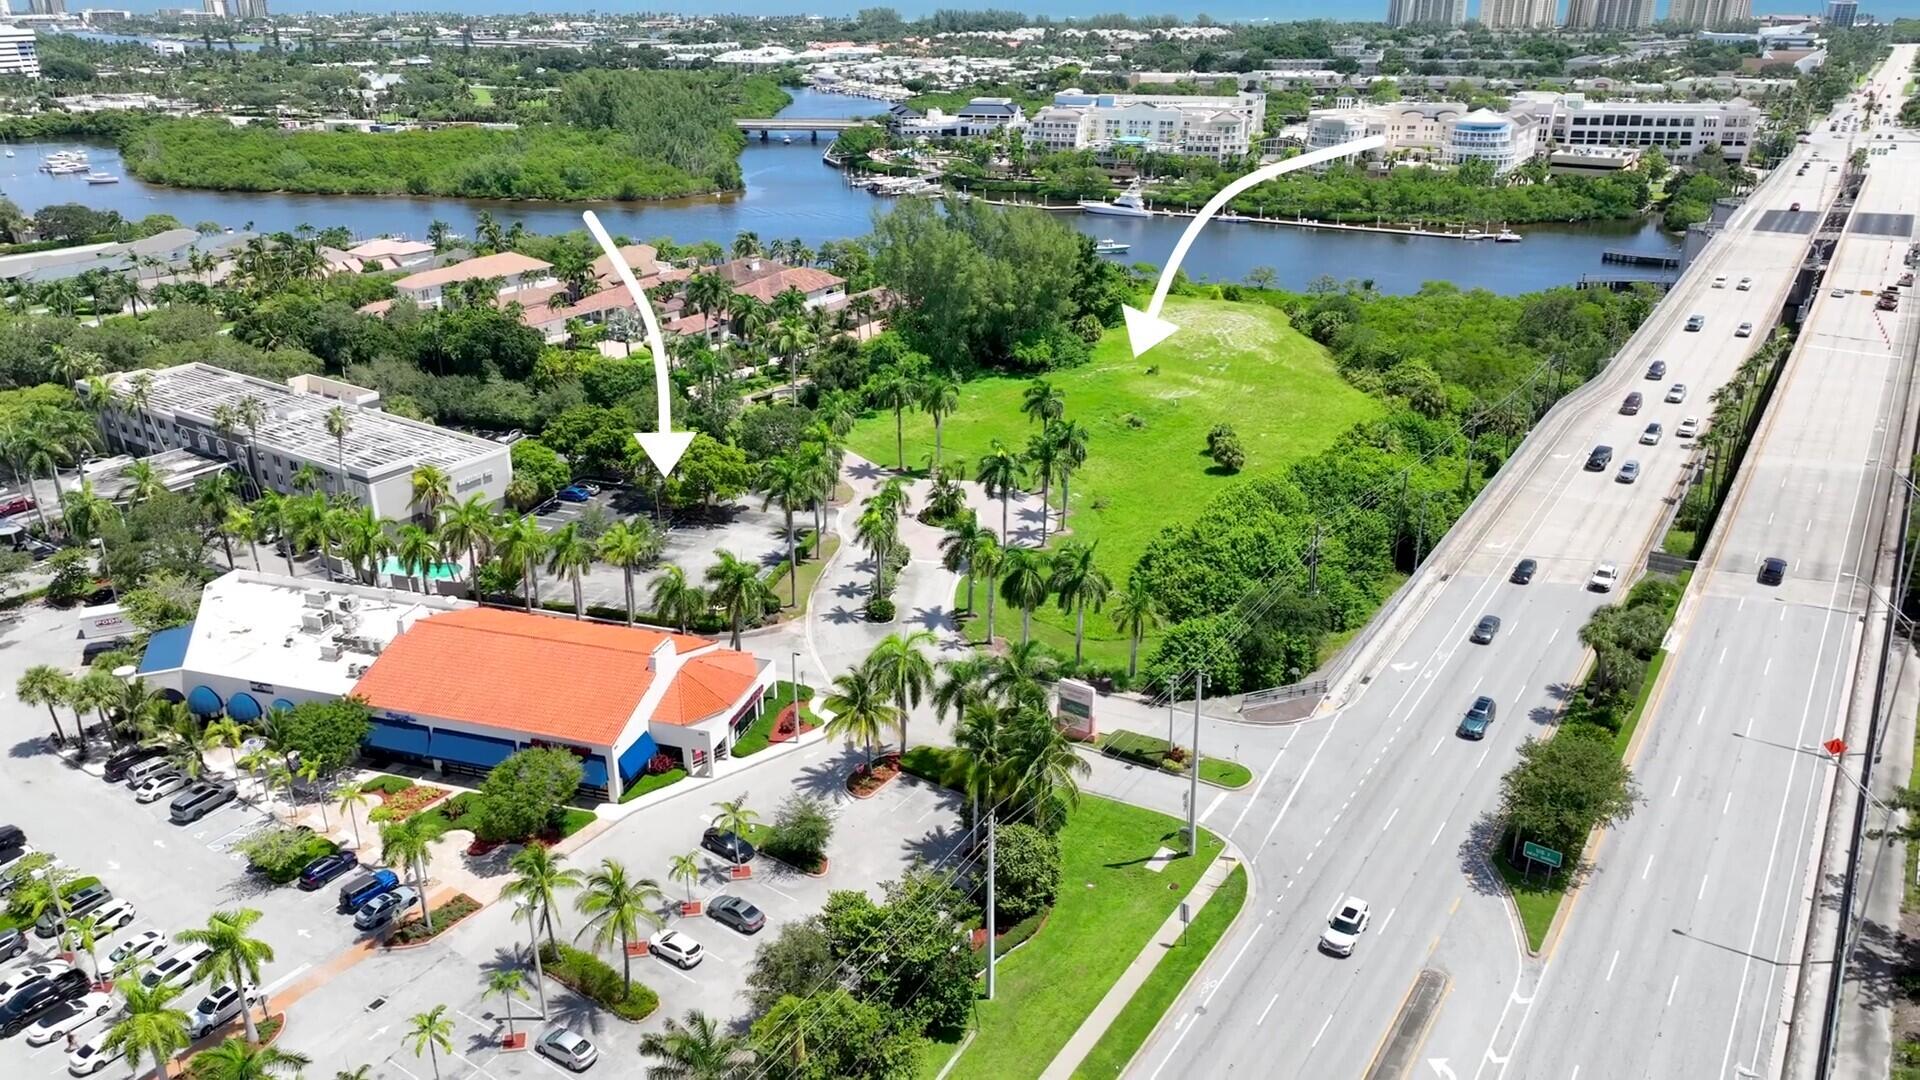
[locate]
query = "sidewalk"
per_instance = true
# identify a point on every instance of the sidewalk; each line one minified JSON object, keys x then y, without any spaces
{"x":1122,"y":991}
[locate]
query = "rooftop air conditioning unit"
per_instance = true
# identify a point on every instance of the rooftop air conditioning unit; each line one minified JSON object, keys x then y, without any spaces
{"x":315,"y":621}
{"x":329,"y":650}
{"x":316,"y":599}
{"x":347,"y":601}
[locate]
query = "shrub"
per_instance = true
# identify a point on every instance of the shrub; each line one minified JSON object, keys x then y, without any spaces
{"x":522,"y":795}
{"x":280,"y":854}
{"x":1026,"y":871}
{"x":594,"y":979}
{"x":1218,"y":434}
{"x":660,"y":762}
{"x":437,"y":921}
{"x":880,"y":609}
{"x":800,"y":833}
{"x":1228,"y":454}
{"x":386,"y":785}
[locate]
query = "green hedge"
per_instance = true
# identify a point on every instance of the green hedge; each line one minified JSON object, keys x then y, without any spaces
{"x":592,"y":978}
{"x":386,"y":785}
{"x":1017,"y":934}
{"x":437,"y":920}
{"x":934,"y":764}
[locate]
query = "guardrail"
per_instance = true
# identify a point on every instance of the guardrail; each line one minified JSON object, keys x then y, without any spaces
{"x":1309,"y":688}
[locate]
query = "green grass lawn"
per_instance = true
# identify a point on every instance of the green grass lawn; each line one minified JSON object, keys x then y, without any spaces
{"x":482,"y":95}
{"x":1537,"y":899}
{"x":1149,"y":749}
{"x":810,"y":570}
{"x":757,"y":736}
{"x":1237,"y":364}
{"x":1116,"y":1048}
{"x":1110,"y":904}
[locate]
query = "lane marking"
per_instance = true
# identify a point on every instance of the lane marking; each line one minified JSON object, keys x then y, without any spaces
{"x":1612,"y":964}
{"x":1384,"y":923}
{"x":1322,"y":1031}
{"x":1647,"y":868}
{"x":1676,"y":785}
{"x":1265,"y":1011}
{"x":1728,"y":804}
{"x":1674,"y":989}
{"x":1390,"y":817}
{"x":1702,"y":894}
{"x":1436,"y":834}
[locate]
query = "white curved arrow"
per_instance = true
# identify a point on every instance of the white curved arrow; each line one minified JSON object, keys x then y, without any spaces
{"x":1145,"y":329}
{"x":664,"y":446}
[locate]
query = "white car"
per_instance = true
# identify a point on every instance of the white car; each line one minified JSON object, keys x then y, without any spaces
{"x":1745,"y":329}
{"x":1746,"y":283}
{"x":1720,"y":281}
{"x":1605,"y":577}
{"x":159,"y":786}
{"x":92,"y":1056}
{"x":676,"y":948}
{"x":146,"y":945}
{"x":1651,"y":436}
{"x":179,"y":967}
{"x":1676,"y":393}
{"x":68,"y":1016}
{"x":110,"y":916}
{"x":570,"y":1048}
{"x":32,"y":973}
{"x":1837,"y":293}
{"x":218,"y":1007}
{"x":1688,"y":428}
{"x":1344,"y":925}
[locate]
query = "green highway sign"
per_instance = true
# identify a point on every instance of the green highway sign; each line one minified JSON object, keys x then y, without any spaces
{"x":1540,"y":854}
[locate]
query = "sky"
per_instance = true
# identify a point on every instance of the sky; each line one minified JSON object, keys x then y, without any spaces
{"x":1224,"y":10}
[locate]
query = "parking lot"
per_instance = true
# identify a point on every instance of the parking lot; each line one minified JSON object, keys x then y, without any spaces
{"x":174,"y":875}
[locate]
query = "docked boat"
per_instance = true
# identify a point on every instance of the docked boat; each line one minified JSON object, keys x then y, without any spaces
{"x":1110,"y":247}
{"x":1126,"y":204}
{"x":1475,"y":234}
{"x":102,"y":178}
{"x":1507,"y":236}
{"x":1231,"y":216}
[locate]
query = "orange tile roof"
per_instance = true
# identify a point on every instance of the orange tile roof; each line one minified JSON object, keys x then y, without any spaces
{"x":705,"y":685}
{"x":539,"y":675}
{"x":805,"y":278}
{"x":499,"y":264}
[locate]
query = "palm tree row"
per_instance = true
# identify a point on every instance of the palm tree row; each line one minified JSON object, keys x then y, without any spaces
{"x":1013,"y":753}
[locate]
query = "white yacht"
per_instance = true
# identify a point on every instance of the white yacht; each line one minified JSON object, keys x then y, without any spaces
{"x":1126,"y":204}
{"x":1110,"y":247}
{"x":1507,"y":236}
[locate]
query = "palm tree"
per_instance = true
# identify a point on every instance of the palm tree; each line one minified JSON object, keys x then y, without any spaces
{"x":521,"y":542}
{"x":1020,"y":675}
{"x":685,"y":868}
{"x":507,"y":984}
{"x":432,"y":489}
{"x":790,"y":338}
{"x":965,"y":684}
{"x":735,"y":817}
{"x":615,"y":906}
{"x":987,"y":562}
{"x":1046,"y":766}
{"x":1079,"y":583}
{"x":960,"y":545}
{"x":1041,"y":403}
{"x":570,"y":554}
{"x":339,"y":423}
{"x":408,"y":844}
{"x":467,"y":526}
{"x":418,"y":552}
{"x":785,"y":479}
{"x":738,"y":591}
{"x":861,"y":711}
{"x":981,"y":736}
{"x":903,"y":672}
{"x":1024,"y":585}
{"x":999,"y":471}
{"x":708,"y":294}
{"x":1136,"y":610}
{"x":746,"y":244}
{"x":878,"y":530}
{"x":96,"y":690}
{"x":44,"y":684}
{"x":272,"y":517}
{"x":701,"y":1049}
{"x":237,"y":1060}
{"x":1043,"y":454}
{"x":538,"y":878}
{"x":87,"y":933}
{"x":311,"y":525}
{"x":629,"y":545}
{"x":939,"y":396}
{"x":351,"y":798}
{"x":431,"y":1031}
{"x":890,"y":389}
{"x":677,"y":600}
{"x":150,"y":1029}
{"x":1070,"y":452}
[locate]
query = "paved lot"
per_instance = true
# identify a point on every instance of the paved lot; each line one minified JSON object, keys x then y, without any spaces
{"x":692,"y":542}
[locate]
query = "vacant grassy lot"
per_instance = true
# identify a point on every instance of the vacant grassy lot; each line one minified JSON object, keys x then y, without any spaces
{"x":1147,"y":422}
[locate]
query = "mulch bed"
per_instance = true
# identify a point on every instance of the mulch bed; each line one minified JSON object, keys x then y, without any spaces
{"x":788,"y":726}
{"x":863,"y":783}
{"x":402,"y":805}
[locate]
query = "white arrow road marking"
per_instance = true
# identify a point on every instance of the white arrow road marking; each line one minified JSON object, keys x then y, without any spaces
{"x":665,"y":445}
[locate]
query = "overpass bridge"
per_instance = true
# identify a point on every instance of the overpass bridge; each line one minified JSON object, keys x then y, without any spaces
{"x":810,"y":124}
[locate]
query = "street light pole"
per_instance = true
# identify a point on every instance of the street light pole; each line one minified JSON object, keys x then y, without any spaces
{"x":1193,"y":769}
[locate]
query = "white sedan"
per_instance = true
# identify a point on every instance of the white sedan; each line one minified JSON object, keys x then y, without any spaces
{"x":68,"y":1016}
{"x":159,"y":786}
{"x":1344,"y":925}
{"x":146,"y":945}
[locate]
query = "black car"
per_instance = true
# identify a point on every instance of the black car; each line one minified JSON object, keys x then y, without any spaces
{"x":101,"y":646}
{"x":728,"y":846}
{"x":1485,"y":629}
{"x":1599,"y":458}
{"x":1773,"y":571}
{"x":1657,"y":369}
{"x":118,"y":764}
{"x":12,"y":944}
{"x":1523,"y":571}
{"x":1631,"y":405}
{"x":737,"y":912}
{"x":325,"y":869}
{"x":30,"y":1001}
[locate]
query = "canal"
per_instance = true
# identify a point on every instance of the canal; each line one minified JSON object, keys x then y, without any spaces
{"x":790,"y":193}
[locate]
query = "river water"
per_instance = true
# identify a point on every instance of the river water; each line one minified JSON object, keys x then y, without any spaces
{"x":790,"y":193}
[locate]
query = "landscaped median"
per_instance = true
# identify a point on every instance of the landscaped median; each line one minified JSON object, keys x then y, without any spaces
{"x":1157,"y":753}
{"x":779,"y":720}
{"x":438,"y":921}
{"x":594,"y":979}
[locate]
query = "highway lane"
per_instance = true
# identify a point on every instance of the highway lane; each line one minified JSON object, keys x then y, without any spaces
{"x":1379,"y":802}
{"x":1699,"y":900}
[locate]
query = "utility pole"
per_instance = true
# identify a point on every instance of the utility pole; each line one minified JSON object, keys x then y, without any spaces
{"x":1170,"y":699}
{"x":1193,"y":769}
{"x":1313,"y":559}
{"x":990,"y":898}
{"x":1466,"y":473}
{"x":1420,"y":541}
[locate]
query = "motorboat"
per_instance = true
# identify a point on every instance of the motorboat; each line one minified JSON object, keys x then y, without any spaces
{"x":1475,"y":234}
{"x":1126,"y":204}
{"x":1110,"y":247}
{"x":1507,"y":236}
{"x":97,"y":177}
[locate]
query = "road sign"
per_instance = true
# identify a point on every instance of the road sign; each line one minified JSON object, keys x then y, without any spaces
{"x":1836,"y":747}
{"x":1540,"y":854}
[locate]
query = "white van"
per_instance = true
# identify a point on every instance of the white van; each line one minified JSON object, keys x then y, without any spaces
{"x":148,"y":769}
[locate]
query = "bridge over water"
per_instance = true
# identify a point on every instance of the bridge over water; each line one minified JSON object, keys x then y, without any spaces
{"x":813,"y":125}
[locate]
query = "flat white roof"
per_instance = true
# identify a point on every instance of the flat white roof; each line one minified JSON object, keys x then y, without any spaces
{"x":296,"y":423}
{"x":251,"y":627}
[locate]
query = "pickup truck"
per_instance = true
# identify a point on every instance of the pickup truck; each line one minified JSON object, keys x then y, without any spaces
{"x":1605,"y":577}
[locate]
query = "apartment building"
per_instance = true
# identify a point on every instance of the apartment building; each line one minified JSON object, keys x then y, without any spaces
{"x":1609,"y":14}
{"x":1503,"y":142}
{"x":176,"y":407}
{"x":1842,"y":12}
{"x":1413,"y":129}
{"x":1218,"y":127}
{"x":1518,"y":14}
{"x":510,"y":270}
{"x":17,"y":53}
{"x":1710,"y":14}
{"x":1410,"y":12}
{"x":1681,"y":129}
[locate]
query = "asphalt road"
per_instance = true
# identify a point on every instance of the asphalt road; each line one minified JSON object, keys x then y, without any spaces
{"x":1381,"y":801}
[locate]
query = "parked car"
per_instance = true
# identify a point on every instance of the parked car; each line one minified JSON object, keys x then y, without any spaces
{"x":118,"y":764}
{"x":178,"y":967}
{"x":1676,"y":393}
{"x":27,"y":976}
{"x":1479,"y":718}
{"x":220,"y":1005}
{"x":737,"y":912}
{"x":1485,"y":630}
{"x":92,"y":1056}
{"x":569,"y":1048}
{"x":1688,"y":428}
{"x":1523,"y":571}
{"x":1773,"y":570}
{"x":99,"y":647}
{"x":366,"y":886}
{"x":31,"y":1002}
{"x":79,"y":902}
{"x":1345,"y":923}
{"x":1605,"y":577}
{"x":145,"y":945}
{"x":12,"y":943}
{"x":1629,"y":472}
{"x":574,"y":494}
{"x":728,"y":846}
{"x":325,"y":869}
{"x":385,"y":907}
{"x":12,"y":504}
{"x":159,"y":786}
{"x":197,"y":801}
{"x":676,"y":948}
{"x":113,"y":915}
{"x":67,"y":1017}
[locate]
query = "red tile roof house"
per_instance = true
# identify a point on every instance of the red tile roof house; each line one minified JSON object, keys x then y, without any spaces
{"x":464,"y":689}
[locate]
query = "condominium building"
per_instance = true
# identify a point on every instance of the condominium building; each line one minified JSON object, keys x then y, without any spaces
{"x":1415,"y":129}
{"x":1609,"y":14}
{"x":508,"y":272}
{"x":1503,"y":142}
{"x":1681,"y":129}
{"x":1518,"y":14}
{"x":176,"y":407}
{"x":17,"y":53}
{"x":1215,"y":127}
{"x":1842,"y":12}
{"x":1409,"y":12}
{"x":1710,"y":14}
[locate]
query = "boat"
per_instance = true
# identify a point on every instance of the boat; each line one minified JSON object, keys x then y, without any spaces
{"x":1507,"y":236}
{"x":97,"y":177}
{"x":64,"y":168}
{"x":1126,"y":204}
{"x":787,"y":139}
{"x":1110,"y":247}
{"x":1475,"y":234}
{"x":1231,"y":216}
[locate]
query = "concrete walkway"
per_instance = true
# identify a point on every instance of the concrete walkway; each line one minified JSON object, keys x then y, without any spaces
{"x":1167,"y":937}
